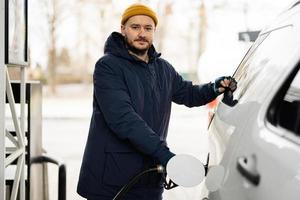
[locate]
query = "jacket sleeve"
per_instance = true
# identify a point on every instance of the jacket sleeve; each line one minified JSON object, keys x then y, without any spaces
{"x":115,"y":103}
{"x":184,"y":92}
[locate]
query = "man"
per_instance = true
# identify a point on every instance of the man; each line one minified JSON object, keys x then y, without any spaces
{"x":133,"y":92}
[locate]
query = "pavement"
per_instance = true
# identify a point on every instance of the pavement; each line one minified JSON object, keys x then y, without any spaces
{"x":66,"y":118}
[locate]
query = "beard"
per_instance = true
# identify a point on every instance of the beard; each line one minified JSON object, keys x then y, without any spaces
{"x":130,"y":46}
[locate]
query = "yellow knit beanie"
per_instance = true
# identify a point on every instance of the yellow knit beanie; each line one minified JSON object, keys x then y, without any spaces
{"x":138,"y":9}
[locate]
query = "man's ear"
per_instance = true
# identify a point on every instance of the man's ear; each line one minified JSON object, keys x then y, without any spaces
{"x":123,"y":30}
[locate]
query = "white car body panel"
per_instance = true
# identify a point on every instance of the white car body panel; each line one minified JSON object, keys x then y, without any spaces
{"x":244,"y":131}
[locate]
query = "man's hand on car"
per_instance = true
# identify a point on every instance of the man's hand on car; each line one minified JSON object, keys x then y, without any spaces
{"x":224,"y":83}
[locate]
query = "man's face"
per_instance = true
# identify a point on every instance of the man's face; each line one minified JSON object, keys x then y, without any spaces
{"x":138,"y":32}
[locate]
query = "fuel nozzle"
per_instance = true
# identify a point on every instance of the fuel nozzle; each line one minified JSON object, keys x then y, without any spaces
{"x":128,"y":186}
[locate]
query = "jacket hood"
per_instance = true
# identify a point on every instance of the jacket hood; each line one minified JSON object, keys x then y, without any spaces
{"x":115,"y":44}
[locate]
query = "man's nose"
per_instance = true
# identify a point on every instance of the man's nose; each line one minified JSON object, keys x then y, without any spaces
{"x":142,"y":31}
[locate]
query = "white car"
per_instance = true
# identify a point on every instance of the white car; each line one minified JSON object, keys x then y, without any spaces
{"x":257,"y":141}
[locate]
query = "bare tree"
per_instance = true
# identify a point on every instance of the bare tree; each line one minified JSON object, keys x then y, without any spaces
{"x":56,"y":13}
{"x":87,"y":39}
{"x":202,"y":29}
{"x":163,"y":23}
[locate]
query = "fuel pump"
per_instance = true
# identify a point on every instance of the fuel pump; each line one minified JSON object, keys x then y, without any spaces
{"x":181,"y":170}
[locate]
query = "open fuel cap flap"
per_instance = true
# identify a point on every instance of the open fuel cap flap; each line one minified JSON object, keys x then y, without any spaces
{"x":185,"y":170}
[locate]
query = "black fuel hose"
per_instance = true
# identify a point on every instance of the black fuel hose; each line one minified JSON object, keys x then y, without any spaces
{"x":128,"y":186}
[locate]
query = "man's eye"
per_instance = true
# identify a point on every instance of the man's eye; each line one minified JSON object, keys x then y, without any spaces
{"x":135,"y":27}
{"x":149,"y":29}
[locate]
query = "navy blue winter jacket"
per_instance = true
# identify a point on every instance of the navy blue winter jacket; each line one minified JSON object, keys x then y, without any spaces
{"x":131,"y":112}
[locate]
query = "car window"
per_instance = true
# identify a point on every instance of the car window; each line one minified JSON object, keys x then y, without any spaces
{"x":266,"y":57}
{"x":288,"y":115}
{"x":245,"y":72}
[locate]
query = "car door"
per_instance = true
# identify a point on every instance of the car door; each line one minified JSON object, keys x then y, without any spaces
{"x":260,"y":153}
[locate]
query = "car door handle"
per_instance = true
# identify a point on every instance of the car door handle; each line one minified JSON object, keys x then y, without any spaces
{"x":247,"y":168}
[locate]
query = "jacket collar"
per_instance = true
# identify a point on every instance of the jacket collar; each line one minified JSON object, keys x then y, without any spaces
{"x":115,"y":44}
